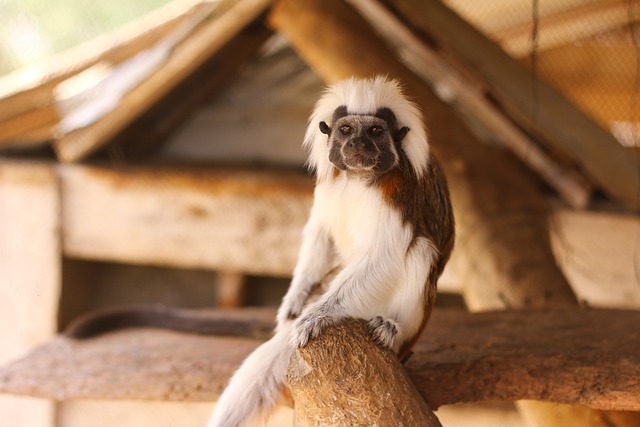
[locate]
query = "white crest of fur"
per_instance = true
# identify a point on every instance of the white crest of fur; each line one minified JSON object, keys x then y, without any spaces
{"x":366,"y":96}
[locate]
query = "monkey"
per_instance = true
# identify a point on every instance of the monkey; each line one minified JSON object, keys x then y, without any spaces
{"x":379,"y":234}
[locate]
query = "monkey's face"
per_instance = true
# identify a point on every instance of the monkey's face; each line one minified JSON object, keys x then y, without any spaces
{"x":362,"y":144}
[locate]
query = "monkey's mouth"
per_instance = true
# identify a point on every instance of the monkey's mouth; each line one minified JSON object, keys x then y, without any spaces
{"x":360,"y":161}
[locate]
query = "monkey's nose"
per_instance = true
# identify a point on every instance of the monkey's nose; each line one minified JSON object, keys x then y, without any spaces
{"x":356,"y":144}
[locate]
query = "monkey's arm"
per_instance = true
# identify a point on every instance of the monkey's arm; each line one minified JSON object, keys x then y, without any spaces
{"x":362,"y":290}
{"x":314,"y":262}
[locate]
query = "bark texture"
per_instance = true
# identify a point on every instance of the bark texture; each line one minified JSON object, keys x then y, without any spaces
{"x":342,"y":379}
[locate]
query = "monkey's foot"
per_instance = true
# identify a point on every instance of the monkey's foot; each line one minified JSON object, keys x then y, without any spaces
{"x":383,"y":331}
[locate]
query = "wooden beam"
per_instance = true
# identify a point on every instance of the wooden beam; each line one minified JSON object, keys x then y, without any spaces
{"x":32,"y":88}
{"x":459,"y":90}
{"x":184,"y":59}
{"x":223,"y":218}
{"x":363,"y":385}
{"x":29,"y":93}
{"x":157,"y":123}
{"x":591,"y":357}
{"x":556,"y":120}
{"x":30,"y":273}
{"x":16,"y":130}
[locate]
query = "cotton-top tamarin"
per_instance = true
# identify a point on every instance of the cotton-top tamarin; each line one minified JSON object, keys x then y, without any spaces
{"x":380,"y":232}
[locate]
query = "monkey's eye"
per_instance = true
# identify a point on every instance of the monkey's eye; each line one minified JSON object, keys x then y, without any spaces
{"x":376,"y":130}
{"x":346,"y":130}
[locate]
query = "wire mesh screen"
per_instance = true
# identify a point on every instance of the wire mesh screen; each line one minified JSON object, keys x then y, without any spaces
{"x":586,"y":48}
{"x":32,"y":30}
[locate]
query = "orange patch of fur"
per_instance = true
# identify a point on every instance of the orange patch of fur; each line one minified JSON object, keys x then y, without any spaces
{"x":389,"y":184}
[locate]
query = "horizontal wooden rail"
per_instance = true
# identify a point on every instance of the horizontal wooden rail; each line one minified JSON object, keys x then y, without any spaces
{"x":589,"y":357}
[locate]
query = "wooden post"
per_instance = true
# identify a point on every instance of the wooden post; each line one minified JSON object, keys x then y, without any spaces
{"x":30,"y":274}
{"x":342,"y":378}
{"x":230,"y":288}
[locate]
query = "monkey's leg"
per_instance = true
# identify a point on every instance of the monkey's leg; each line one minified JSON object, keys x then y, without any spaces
{"x":383,"y":331}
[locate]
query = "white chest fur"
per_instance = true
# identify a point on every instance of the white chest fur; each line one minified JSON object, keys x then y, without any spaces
{"x":357,"y":218}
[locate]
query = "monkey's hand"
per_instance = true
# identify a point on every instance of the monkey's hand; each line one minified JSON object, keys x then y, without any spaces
{"x":290,"y":308}
{"x":313,"y":320}
{"x":294,"y":301}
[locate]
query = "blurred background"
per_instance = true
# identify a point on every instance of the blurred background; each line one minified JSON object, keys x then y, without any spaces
{"x":172,"y":197}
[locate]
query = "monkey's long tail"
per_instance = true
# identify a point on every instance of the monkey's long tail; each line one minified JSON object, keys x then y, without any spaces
{"x":256,"y":385}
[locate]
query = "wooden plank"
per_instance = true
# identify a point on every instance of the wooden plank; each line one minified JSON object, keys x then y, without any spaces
{"x":30,"y":255}
{"x":591,"y":357}
{"x":30,"y":273}
{"x":12,"y":131}
{"x":596,"y":249}
{"x":135,"y":413}
{"x":163,"y":118}
{"x":556,"y":120}
{"x":32,"y":88}
{"x":235,"y":219}
{"x":569,"y":345}
{"x":184,"y":59}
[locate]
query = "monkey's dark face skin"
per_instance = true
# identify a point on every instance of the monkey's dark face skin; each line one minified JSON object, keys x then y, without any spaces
{"x":365,"y":145}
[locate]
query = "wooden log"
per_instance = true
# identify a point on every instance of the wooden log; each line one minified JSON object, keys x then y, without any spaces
{"x":247,"y":220}
{"x":591,"y":357}
{"x":558,"y":121}
{"x":343,"y":378}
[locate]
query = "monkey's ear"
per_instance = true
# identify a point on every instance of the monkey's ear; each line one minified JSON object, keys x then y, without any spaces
{"x":324,"y":128}
{"x":401,"y":133}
